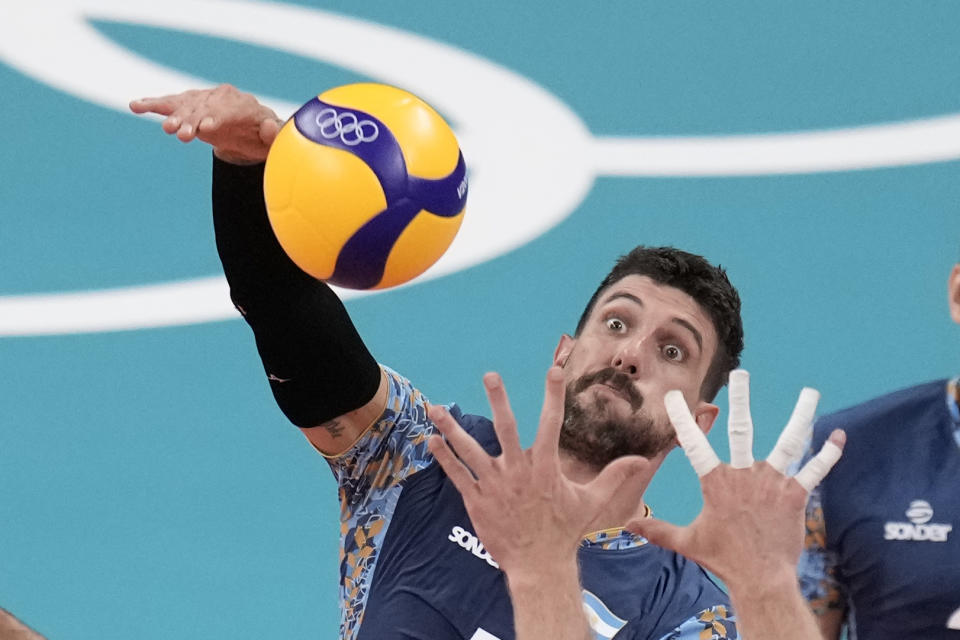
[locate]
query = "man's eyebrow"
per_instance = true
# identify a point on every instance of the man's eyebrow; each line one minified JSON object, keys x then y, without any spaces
{"x":683,"y":323}
{"x":623,"y":294}
{"x":693,"y":330}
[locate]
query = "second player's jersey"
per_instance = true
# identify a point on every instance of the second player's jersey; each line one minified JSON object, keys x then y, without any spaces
{"x":412,"y":567}
{"x":884,"y":526}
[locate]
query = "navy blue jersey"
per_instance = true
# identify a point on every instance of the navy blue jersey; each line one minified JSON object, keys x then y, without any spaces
{"x":882,"y":538}
{"x":411,"y":566}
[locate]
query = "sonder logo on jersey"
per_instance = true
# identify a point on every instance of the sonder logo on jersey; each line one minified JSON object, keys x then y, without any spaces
{"x":472,"y":544}
{"x":919,"y":528}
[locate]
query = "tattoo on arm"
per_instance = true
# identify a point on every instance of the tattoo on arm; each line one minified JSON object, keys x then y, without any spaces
{"x":333,"y":427}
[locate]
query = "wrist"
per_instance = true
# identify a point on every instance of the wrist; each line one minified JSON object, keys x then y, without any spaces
{"x":547,"y":601}
{"x":534,"y":575}
{"x":760,"y":585}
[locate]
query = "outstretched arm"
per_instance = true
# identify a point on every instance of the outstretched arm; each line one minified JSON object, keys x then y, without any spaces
{"x":320,"y":372}
{"x":528,"y":515}
{"x":750,"y":530}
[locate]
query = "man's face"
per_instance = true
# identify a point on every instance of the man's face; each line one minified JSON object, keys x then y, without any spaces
{"x":641,"y":340}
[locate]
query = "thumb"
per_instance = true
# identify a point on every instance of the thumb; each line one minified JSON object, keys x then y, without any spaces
{"x":617,"y":474}
{"x":663,"y":534}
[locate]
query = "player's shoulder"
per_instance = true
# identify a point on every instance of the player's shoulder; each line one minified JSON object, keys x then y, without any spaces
{"x":404,"y":400}
{"x":400,"y":390}
{"x":406,"y":404}
{"x":888,"y":409}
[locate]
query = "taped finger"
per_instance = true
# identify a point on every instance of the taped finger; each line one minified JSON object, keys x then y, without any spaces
{"x":819,"y":466}
{"x":740,"y":424}
{"x":790,"y":446}
{"x":695,"y":445}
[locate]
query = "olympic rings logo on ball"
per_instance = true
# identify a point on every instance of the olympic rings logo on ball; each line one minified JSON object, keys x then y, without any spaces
{"x":351,"y":130}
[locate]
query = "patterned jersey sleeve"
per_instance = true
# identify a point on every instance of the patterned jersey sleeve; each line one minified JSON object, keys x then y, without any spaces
{"x":370,"y":478}
{"x":713,"y":623}
{"x":391,"y":450}
{"x":817,"y":568}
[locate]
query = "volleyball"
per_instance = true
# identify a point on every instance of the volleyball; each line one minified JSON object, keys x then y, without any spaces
{"x":365,"y":186}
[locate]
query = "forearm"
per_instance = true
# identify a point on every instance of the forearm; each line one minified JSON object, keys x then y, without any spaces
{"x":254,"y":263}
{"x":770,"y":606}
{"x":547,"y":604}
{"x":317,"y":364}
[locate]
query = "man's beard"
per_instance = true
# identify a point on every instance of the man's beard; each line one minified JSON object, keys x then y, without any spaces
{"x":596,"y":436}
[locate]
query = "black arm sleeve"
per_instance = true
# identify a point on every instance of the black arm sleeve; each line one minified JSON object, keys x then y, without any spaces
{"x":317,"y":364}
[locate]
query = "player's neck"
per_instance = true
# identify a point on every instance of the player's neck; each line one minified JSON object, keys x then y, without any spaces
{"x":626,"y":504}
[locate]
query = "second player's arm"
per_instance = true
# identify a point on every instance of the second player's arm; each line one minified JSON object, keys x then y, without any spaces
{"x":816,"y":571}
{"x":830,"y":623}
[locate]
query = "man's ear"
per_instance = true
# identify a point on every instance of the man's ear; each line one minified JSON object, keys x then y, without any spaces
{"x":705,"y":415}
{"x":562,"y":352}
{"x":953,"y":293}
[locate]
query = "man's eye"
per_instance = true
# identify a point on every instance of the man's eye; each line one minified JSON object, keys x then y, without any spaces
{"x":674,"y":353}
{"x":615,"y":324}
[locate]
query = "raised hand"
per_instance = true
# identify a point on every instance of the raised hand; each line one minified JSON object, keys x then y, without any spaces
{"x":750,"y":530}
{"x":234,"y":123}
{"x":525,"y":510}
{"x":527,"y":514}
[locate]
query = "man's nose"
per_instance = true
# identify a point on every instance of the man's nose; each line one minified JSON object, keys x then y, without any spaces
{"x":633,"y":356}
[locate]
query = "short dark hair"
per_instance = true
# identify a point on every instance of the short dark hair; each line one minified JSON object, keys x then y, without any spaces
{"x":703,"y":282}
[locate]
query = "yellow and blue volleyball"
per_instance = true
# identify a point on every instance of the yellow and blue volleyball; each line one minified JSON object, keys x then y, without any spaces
{"x":365,"y":186}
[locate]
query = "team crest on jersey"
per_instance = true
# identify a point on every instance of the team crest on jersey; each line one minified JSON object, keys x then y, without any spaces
{"x":919,"y":513}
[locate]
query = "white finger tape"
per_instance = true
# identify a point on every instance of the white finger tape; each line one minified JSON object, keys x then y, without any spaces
{"x":819,"y":466}
{"x":695,"y":445}
{"x":740,"y":423}
{"x":790,"y":445}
